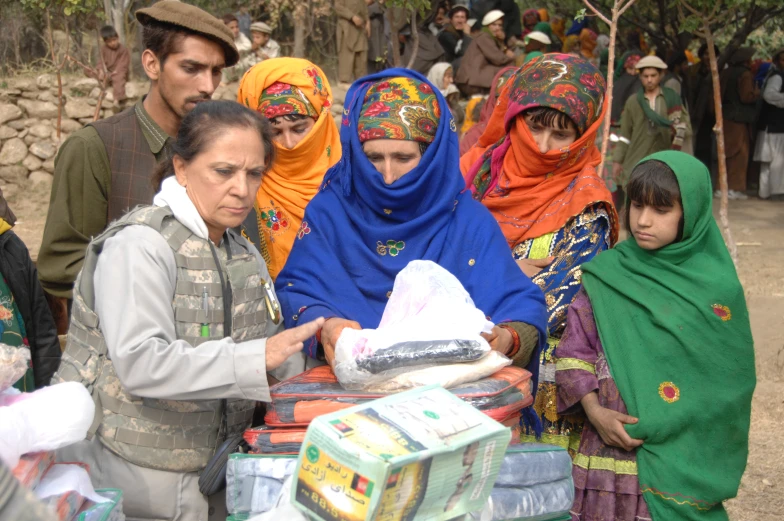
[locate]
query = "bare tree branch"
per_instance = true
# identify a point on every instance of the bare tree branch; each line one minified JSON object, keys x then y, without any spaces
{"x":597,"y":12}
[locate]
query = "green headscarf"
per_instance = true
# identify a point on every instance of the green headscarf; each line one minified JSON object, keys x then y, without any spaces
{"x":674,"y":108}
{"x":675,"y":330}
{"x":544,"y":27}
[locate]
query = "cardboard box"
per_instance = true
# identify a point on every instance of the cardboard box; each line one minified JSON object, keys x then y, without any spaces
{"x":423,"y":454}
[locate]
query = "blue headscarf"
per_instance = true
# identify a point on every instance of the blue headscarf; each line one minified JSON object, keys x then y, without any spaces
{"x":359,"y":232}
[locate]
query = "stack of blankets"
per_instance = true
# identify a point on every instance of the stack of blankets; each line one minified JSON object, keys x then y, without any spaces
{"x":534,"y":483}
{"x":297,"y":401}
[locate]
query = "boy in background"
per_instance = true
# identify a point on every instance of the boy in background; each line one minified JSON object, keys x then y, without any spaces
{"x":117,"y":60}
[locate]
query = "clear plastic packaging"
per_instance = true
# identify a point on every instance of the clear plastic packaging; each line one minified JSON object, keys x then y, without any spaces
{"x":295,"y":402}
{"x":275,"y":441}
{"x":429,"y":322}
{"x":44,"y":420}
{"x":255,"y":483}
{"x":538,"y":502}
{"x":111,"y":510}
{"x":14,"y":362}
{"x":528,"y":464}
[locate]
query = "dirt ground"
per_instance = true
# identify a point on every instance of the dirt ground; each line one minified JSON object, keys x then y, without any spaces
{"x":758,"y":228}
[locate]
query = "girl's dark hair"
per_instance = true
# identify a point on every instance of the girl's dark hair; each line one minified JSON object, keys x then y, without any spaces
{"x":653,"y":183}
{"x":550,"y":117}
{"x":203,"y":124}
{"x":291,"y":118}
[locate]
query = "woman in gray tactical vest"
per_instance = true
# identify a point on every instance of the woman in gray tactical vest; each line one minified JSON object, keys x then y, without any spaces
{"x":175,"y":323}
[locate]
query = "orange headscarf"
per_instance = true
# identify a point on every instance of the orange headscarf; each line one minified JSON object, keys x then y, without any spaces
{"x":588,"y":43}
{"x":539,"y":193}
{"x":296,"y":174}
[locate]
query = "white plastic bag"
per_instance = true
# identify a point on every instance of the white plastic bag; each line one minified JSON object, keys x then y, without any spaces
{"x":429,"y":321}
{"x":44,"y":420}
{"x":62,"y":478}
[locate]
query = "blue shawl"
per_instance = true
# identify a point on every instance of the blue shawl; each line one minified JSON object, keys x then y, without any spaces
{"x":358,"y":233}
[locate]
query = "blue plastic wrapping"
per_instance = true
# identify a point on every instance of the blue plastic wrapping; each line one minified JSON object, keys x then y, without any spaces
{"x":530,"y":464}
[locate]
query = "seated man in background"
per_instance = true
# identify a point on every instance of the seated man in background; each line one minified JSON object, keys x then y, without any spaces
{"x":116,"y":59}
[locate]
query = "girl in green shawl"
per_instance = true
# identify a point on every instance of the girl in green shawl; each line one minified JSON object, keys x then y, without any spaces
{"x":658,"y":355}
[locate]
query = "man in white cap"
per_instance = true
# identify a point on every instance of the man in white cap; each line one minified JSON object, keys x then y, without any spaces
{"x":263,"y":47}
{"x":536,"y":42}
{"x":486,"y":55}
{"x":652,"y":120}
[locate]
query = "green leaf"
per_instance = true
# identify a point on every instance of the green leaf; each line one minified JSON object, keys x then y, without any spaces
{"x":580,"y":15}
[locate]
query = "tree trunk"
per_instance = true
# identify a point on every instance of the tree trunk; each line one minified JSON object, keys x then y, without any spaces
{"x":394,"y":36}
{"x":719,"y":130}
{"x":300,"y":30}
{"x":610,"y":83}
{"x":58,"y":73}
{"x":414,"y":39}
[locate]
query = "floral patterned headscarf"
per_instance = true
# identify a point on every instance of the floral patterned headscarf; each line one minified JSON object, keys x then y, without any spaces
{"x":399,"y":108}
{"x":280,"y":99}
{"x":529,"y":192}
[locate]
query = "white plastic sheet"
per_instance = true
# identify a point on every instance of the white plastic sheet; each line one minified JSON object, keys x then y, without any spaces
{"x":62,"y":478}
{"x":44,"y":420}
{"x":427,"y":312}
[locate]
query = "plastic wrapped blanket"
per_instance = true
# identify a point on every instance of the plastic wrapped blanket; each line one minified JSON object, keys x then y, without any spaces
{"x":537,"y":502}
{"x":429,"y":321}
{"x":27,"y":420}
{"x":529,"y":464}
{"x":14,"y":362}
{"x":315,"y":392}
{"x":275,"y":441}
{"x":255,"y":483}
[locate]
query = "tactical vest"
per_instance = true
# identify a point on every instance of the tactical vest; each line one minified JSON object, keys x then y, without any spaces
{"x":171,"y":435}
{"x":734,"y":109}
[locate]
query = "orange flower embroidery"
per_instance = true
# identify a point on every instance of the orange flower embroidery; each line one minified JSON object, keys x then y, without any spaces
{"x":723,"y":312}
{"x":5,"y":313}
{"x":669,"y":392}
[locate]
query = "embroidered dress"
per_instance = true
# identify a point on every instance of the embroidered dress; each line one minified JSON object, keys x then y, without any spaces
{"x":576,"y":243}
{"x":605,"y":478}
{"x":674,"y":329}
{"x":12,"y":332}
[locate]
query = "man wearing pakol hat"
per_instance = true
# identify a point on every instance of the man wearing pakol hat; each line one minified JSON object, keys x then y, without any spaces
{"x":353,"y":29}
{"x":739,"y":98}
{"x":263,"y":47}
{"x":454,"y":38}
{"x":770,"y":140}
{"x":486,"y":55}
{"x":652,"y":120}
{"x":105,"y":168}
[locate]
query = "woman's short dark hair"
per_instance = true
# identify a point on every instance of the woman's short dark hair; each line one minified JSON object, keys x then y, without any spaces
{"x":203,"y":124}
{"x":291,"y":118}
{"x":653,"y":183}
{"x":550,"y":117}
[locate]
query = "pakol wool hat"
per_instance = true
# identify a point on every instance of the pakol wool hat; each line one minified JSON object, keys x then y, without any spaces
{"x":492,"y":16}
{"x":260,"y":27}
{"x":650,"y":61}
{"x":193,"y":19}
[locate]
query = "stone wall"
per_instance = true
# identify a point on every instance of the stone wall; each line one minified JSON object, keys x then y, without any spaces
{"x":28,"y":120}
